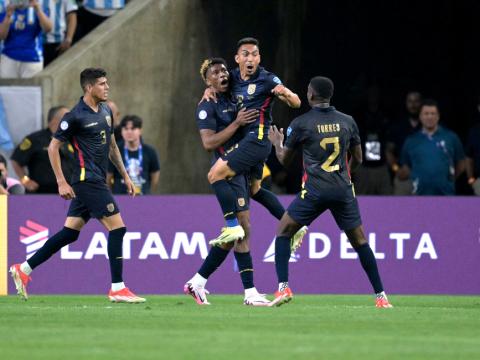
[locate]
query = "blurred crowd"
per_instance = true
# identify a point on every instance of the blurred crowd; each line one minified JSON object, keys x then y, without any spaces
{"x":35,"y":32}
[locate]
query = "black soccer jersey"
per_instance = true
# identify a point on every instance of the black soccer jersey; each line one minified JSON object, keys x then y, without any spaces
{"x":89,"y":132}
{"x":326,"y":135}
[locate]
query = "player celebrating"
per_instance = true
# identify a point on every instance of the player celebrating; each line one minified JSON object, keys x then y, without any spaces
{"x":89,"y":128}
{"x":252,"y":88}
{"x":218,"y":124}
{"x":327,"y":136}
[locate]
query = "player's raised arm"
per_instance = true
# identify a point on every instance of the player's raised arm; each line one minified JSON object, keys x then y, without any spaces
{"x":284,"y":154}
{"x":287,"y":96}
{"x":64,"y":189}
{"x":117,"y":161}
{"x":212,"y":139}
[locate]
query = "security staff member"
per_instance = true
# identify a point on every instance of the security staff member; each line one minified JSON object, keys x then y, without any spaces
{"x":32,"y":154}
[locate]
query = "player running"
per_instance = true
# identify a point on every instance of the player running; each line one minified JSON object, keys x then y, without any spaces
{"x":327,"y":137}
{"x":89,"y":128}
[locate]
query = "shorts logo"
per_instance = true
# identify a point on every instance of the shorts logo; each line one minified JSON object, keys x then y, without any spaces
{"x":64,"y":125}
{"x":34,"y":236}
{"x":110,"y":207}
{"x":202,"y":115}
{"x":241,"y":202}
{"x":26,"y":144}
{"x":251,"y":89}
{"x":109,"y":120}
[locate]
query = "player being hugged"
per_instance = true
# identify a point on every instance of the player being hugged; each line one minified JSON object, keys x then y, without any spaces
{"x":327,"y":137}
{"x":89,"y":128}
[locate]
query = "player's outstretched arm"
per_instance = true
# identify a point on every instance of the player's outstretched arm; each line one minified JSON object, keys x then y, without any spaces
{"x":287,"y":96}
{"x":284,"y":154}
{"x":212,"y":140}
{"x":117,"y":161}
{"x":64,"y":189}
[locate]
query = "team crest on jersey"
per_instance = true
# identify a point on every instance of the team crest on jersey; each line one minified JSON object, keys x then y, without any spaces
{"x":251,"y":89}
{"x":241,"y":202}
{"x":109,"y":120}
{"x":26,"y":144}
{"x":110,"y":207}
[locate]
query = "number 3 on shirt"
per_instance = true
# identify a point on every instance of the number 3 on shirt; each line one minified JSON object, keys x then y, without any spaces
{"x":327,"y":165}
{"x":104,"y":136}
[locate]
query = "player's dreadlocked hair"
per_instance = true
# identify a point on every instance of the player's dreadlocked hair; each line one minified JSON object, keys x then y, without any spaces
{"x":207,"y":63}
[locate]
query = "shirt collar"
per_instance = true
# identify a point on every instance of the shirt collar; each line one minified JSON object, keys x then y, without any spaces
{"x":323,"y":109}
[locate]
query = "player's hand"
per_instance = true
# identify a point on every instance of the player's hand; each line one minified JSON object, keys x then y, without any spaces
{"x":64,"y":46}
{"x":209,"y":94}
{"x":130,"y":186}
{"x":31,"y":185}
{"x":65,"y":190}
{"x":245,"y":117}
{"x":276,"y":136}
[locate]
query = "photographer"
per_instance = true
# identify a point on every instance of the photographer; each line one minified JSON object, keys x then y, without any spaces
{"x":8,"y":185}
{"x":21,"y":25}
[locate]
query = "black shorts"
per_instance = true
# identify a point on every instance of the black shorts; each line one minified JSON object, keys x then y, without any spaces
{"x":92,"y":200}
{"x":249,"y":155}
{"x":341,"y":201}
{"x":240,"y":185}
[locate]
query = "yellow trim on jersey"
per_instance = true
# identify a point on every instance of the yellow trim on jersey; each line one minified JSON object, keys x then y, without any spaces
{"x":266,"y":171}
{"x":260,"y":131}
{"x":353,"y":190}
{"x":3,"y":244}
{"x":82,"y":174}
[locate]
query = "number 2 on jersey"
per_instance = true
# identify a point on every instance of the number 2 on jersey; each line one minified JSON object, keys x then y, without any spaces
{"x":327,"y":165}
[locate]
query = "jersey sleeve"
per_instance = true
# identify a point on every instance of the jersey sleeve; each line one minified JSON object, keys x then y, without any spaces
{"x":355,"y":135}
{"x":70,"y":5}
{"x":272,"y":81}
{"x":66,"y":128}
{"x":205,"y":116}
{"x":23,"y":152}
{"x":294,"y":135}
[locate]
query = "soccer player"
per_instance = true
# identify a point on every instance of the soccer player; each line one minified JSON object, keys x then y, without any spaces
{"x":89,"y":128}
{"x":327,"y":137}
{"x":252,"y":88}
{"x":218,"y":125}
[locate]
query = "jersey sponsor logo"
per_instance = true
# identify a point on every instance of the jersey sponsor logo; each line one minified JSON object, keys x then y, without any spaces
{"x":26,"y":144}
{"x":276,"y":80}
{"x":64,"y":125}
{"x":108,"y":119}
{"x":202,"y":115}
{"x":251,"y":89}
{"x":91,"y":124}
{"x":289,"y":131}
{"x":34,"y":236}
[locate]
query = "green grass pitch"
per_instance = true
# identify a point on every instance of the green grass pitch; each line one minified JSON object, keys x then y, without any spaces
{"x":174,"y":327}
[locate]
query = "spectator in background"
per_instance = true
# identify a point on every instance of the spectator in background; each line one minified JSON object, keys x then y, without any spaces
{"x":373,"y":176}
{"x":432,"y":157}
{"x":8,"y":186}
{"x":20,"y":28}
{"x":93,"y":12}
{"x":63,"y":14}
{"x":140,"y":160}
{"x":32,"y":153}
{"x":473,"y":158}
{"x":398,"y":131}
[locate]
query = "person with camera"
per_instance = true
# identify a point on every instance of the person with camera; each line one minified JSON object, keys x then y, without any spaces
{"x":21,"y":25}
{"x":8,"y":186}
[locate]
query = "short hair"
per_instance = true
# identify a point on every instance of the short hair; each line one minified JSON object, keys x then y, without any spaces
{"x":3,"y":160}
{"x":429,"y":102}
{"x":208,"y":63}
{"x":89,"y":76}
{"x":322,"y":87}
{"x":134,"y":119}
{"x":248,"y":40}
{"x":53,"y":111}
